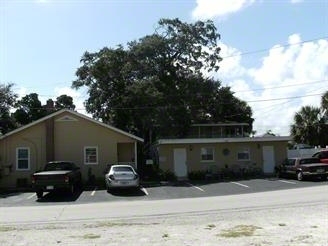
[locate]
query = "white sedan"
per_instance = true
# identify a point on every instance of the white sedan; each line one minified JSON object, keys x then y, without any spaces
{"x":121,"y":176}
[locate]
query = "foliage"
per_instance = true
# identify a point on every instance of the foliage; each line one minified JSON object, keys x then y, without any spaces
{"x":310,"y":124}
{"x":7,"y":101}
{"x":30,"y":108}
{"x":155,"y":86}
{"x":64,"y":101}
{"x":167,"y":175}
{"x":197,"y":175}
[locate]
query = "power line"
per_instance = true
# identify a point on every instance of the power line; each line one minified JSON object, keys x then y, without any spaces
{"x":226,"y":103}
{"x":275,"y":47}
{"x":284,"y":86}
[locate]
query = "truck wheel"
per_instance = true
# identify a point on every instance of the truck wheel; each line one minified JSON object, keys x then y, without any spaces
{"x":300,"y":176}
{"x":39,"y":194}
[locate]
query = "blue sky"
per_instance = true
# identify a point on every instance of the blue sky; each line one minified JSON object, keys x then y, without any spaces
{"x":275,"y":51}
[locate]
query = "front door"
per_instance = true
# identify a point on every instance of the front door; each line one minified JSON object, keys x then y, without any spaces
{"x":180,"y":167}
{"x":268,"y":159}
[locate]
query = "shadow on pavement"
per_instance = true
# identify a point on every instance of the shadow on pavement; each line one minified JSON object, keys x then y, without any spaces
{"x":126,"y":192}
{"x":60,"y":196}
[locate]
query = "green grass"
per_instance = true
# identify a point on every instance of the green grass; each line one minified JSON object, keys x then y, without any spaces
{"x":88,"y":236}
{"x":7,"y":228}
{"x":91,"y":236}
{"x":112,"y":224}
{"x":210,"y":226}
{"x":239,"y":231}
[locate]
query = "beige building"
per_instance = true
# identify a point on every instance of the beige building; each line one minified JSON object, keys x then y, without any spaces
{"x":64,"y":135}
{"x":216,"y":147}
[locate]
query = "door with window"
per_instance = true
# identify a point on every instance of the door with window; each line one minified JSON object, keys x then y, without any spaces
{"x":180,"y":166}
{"x":268,"y":159}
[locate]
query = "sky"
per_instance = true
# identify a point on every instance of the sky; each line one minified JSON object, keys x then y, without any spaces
{"x":275,"y":52}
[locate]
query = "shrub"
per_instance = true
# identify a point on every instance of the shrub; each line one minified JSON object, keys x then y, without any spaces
{"x":197,"y":175}
{"x":167,"y":175}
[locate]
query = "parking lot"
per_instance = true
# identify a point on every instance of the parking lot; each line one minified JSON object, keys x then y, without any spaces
{"x":157,"y":191}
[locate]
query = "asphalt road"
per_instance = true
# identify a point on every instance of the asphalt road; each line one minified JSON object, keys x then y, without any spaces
{"x":162,"y":191}
{"x":287,"y":198}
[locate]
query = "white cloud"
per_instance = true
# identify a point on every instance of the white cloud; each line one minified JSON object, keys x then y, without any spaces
{"x":41,"y":1}
{"x":296,"y":70}
{"x":207,"y":9}
{"x":296,"y":1}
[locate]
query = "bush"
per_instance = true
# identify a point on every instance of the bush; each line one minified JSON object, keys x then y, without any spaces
{"x":197,"y":175}
{"x":167,"y":175}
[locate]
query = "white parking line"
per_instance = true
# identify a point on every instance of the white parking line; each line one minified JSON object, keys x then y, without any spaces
{"x":93,"y":192}
{"x":31,"y":196}
{"x":288,"y":182}
{"x":236,"y":183}
{"x":196,"y":187}
{"x":144,"y":191}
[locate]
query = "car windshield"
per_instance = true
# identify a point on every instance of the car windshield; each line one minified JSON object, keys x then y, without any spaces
{"x":58,"y":166}
{"x":122,"y":169}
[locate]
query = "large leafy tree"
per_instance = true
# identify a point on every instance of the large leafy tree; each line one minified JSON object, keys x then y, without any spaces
{"x":29,"y":109}
{"x":156,"y":84}
{"x":64,"y":101}
{"x":7,"y":101}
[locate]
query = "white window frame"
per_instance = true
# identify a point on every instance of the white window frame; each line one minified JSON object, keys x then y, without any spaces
{"x":202,"y":149}
{"x":244,"y":151}
{"x":27,"y":159}
{"x":85,"y":157}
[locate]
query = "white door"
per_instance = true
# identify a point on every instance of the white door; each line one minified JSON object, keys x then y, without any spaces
{"x":180,"y":167}
{"x":268,"y":159}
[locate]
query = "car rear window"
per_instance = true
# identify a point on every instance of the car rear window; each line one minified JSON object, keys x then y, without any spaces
{"x":122,"y":169}
{"x":309,"y":160}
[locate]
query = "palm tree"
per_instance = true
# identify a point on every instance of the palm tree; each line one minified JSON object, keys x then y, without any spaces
{"x":324,"y":126}
{"x":307,"y":126}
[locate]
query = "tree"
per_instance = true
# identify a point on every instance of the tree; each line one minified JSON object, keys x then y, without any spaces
{"x":64,"y":101}
{"x":7,"y":101}
{"x":155,"y":86}
{"x":29,"y":109}
{"x":310,"y":124}
{"x":307,"y":126}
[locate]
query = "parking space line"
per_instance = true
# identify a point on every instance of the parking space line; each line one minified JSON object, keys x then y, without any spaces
{"x":196,"y":187}
{"x":285,"y":181}
{"x":236,"y":183}
{"x":93,"y":192}
{"x":31,"y":196}
{"x":144,"y":191}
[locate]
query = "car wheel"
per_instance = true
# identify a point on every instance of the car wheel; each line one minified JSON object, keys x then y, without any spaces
{"x":39,"y":194}
{"x":72,"y":189}
{"x":300,"y":176}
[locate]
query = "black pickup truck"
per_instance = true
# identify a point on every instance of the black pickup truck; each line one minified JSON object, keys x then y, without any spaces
{"x":57,"y":175}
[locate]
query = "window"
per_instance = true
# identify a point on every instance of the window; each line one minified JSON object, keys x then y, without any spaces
{"x":207,"y":154}
{"x":23,"y":158}
{"x":90,"y":155}
{"x":243,"y":155}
